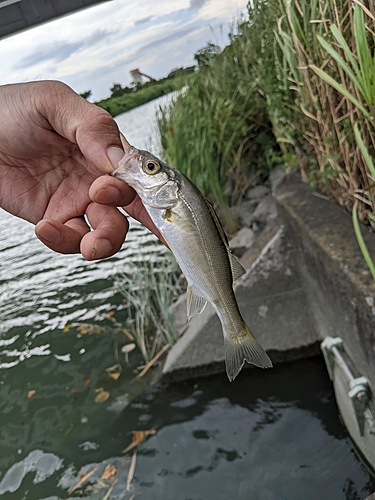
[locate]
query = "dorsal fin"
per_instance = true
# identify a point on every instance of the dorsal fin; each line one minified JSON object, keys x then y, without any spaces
{"x":237,"y":269}
{"x":217,"y":222}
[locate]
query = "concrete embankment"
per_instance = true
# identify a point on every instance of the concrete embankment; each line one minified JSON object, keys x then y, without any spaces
{"x":307,"y":282}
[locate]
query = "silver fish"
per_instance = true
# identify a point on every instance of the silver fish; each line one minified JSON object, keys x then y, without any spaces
{"x":193,"y":232}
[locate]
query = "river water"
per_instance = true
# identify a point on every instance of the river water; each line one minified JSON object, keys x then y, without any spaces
{"x":271,"y":435}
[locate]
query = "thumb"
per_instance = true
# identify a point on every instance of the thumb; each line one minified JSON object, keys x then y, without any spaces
{"x":90,"y":127}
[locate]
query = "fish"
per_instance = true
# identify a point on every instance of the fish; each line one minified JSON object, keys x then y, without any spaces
{"x":193,"y":232}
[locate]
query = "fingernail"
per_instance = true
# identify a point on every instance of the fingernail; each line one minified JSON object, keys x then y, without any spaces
{"x":47,"y":232}
{"x":107,"y":194}
{"x":115,"y":155}
{"x":101,"y":249}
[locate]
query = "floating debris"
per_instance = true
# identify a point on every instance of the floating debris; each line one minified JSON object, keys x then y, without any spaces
{"x":131,"y":470}
{"x":128,"y":334}
{"x":151,"y":363}
{"x":89,"y":329}
{"x":138,"y":437}
{"x":126,"y":349}
{"x":114,"y":371}
{"x":102,"y":395}
{"x":109,"y":472}
{"x":82,"y":479}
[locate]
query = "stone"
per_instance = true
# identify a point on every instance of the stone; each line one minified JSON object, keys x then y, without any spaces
{"x":276,"y":178}
{"x":265,"y":211}
{"x":257,"y":193}
{"x":335,"y":272}
{"x":242,"y":241}
{"x":243,"y":212}
{"x":178,"y":311}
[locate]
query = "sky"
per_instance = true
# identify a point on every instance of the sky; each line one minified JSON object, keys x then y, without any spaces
{"x":97,"y":47}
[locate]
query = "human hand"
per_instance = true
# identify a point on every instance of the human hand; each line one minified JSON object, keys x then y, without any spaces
{"x":53,"y":146}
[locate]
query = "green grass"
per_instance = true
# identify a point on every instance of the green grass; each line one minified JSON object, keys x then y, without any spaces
{"x":149,"y":291}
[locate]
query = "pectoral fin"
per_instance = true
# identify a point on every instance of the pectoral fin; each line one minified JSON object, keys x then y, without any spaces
{"x":195,"y":303}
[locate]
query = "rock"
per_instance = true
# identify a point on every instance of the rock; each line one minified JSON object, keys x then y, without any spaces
{"x":242,"y":241}
{"x":265,"y":211}
{"x":243,"y":212}
{"x":257,"y":193}
{"x":276,"y":177}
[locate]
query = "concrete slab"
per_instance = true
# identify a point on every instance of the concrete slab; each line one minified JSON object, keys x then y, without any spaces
{"x":339,"y":284}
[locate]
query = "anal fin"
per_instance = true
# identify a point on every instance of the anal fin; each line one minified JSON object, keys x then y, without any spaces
{"x":195,"y":303}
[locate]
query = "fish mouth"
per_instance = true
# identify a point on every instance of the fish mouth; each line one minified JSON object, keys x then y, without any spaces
{"x":124,"y":165}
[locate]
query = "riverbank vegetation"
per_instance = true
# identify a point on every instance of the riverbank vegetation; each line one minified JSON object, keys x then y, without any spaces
{"x":296,"y":85}
{"x":296,"y":88}
{"x":124,"y":99}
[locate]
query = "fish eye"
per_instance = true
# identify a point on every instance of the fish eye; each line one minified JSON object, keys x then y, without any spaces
{"x":151,"y":167}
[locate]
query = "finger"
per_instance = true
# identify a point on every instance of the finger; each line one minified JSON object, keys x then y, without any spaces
{"x":82,"y":123}
{"x":110,"y":228}
{"x":115,"y":192}
{"x":108,"y":190}
{"x":62,"y":238}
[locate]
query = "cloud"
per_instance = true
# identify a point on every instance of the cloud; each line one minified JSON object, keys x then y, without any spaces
{"x":98,"y":35}
{"x":143,"y":21}
{"x":196,"y":4}
{"x":158,"y":43}
{"x":60,"y":51}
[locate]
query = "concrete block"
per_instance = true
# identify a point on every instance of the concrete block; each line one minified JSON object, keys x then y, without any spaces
{"x":273,"y":302}
{"x":339,"y":285}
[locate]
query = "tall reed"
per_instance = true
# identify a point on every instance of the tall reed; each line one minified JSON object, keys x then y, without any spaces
{"x":329,"y":49}
{"x":218,"y":131}
{"x":333,"y":72}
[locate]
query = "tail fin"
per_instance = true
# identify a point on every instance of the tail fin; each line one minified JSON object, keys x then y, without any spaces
{"x":243,"y":347}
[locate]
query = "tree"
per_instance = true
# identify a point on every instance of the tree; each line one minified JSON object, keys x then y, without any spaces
{"x":206,"y":54}
{"x":116,"y":90}
{"x":86,"y":94}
